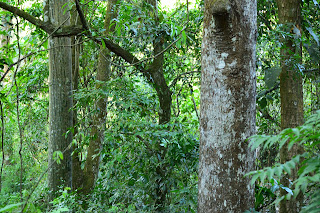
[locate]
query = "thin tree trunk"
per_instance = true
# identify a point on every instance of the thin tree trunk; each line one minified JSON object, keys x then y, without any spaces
{"x":228,"y":95}
{"x":99,"y":124}
{"x":291,"y":94}
{"x":157,"y":79}
{"x":4,"y":41}
{"x":60,"y":100}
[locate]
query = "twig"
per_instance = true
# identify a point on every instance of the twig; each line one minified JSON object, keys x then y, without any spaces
{"x":180,"y":76}
{"x":194,"y":102}
{"x":178,"y":98}
{"x":265,"y":92}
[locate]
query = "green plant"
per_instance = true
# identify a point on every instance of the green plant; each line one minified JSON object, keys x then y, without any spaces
{"x":307,"y":163}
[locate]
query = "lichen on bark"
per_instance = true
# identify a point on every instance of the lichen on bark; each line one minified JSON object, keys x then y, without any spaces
{"x":227,"y":106}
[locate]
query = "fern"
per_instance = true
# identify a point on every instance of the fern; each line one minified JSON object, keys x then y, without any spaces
{"x":308,"y":163}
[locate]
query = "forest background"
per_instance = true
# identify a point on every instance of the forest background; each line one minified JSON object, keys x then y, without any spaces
{"x":131,"y":128}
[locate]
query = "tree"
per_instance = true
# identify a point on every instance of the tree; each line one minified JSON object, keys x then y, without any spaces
{"x":99,"y":121}
{"x":77,"y":176}
{"x":291,"y":94}
{"x":228,"y":95}
{"x":152,"y":69}
{"x":60,"y":99}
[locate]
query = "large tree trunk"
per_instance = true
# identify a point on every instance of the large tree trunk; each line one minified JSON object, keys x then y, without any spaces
{"x":228,"y":95}
{"x":91,"y":169}
{"x":289,"y":13}
{"x":60,"y":99}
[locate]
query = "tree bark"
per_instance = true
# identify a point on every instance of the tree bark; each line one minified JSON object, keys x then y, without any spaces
{"x":291,"y":94}
{"x":228,"y":94}
{"x":60,"y":100}
{"x":91,"y":169}
{"x":5,"y":39}
{"x":155,"y":72}
{"x":77,"y":172}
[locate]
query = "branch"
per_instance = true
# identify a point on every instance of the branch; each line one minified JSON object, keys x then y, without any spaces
{"x":180,"y":76}
{"x":267,"y":116}
{"x":76,"y":30}
{"x":119,"y":51}
{"x":81,"y":15}
{"x":37,"y":22}
{"x":65,"y":31}
{"x":265,"y":92}
{"x":47,"y":27}
{"x":265,"y":21}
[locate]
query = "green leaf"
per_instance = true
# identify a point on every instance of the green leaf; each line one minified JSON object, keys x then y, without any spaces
{"x":10,"y":207}
{"x":313,"y":35}
{"x":291,"y":164}
{"x":278,"y":170}
{"x":309,"y":167}
{"x":263,"y":103}
{"x":103,"y":44}
{"x":60,"y":155}
{"x":184,"y":37}
{"x":178,"y":44}
{"x":270,"y":173}
{"x":57,"y":156}
{"x":315,"y":178}
{"x":271,"y":76}
{"x":257,"y":140}
{"x":286,"y":168}
{"x":254,"y":178}
{"x":287,"y":189}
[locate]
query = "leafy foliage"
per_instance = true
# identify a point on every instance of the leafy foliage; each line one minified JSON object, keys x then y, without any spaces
{"x":134,"y":139}
{"x":307,"y":164}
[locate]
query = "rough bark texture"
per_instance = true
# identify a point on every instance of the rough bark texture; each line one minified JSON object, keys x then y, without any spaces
{"x":60,"y":100}
{"x":227,"y":106}
{"x":289,"y":13}
{"x":99,"y":124}
{"x":77,"y":172}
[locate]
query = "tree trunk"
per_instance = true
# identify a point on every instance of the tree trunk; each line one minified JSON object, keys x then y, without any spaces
{"x":157,"y":80}
{"x":77,"y":172}
{"x":5,"y":39}
{"x":228,"y":95}
{"x":60,"y":99}
{"x":155,"y":72}
{"x":99,"y":124}
{"x":289,"y":13}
